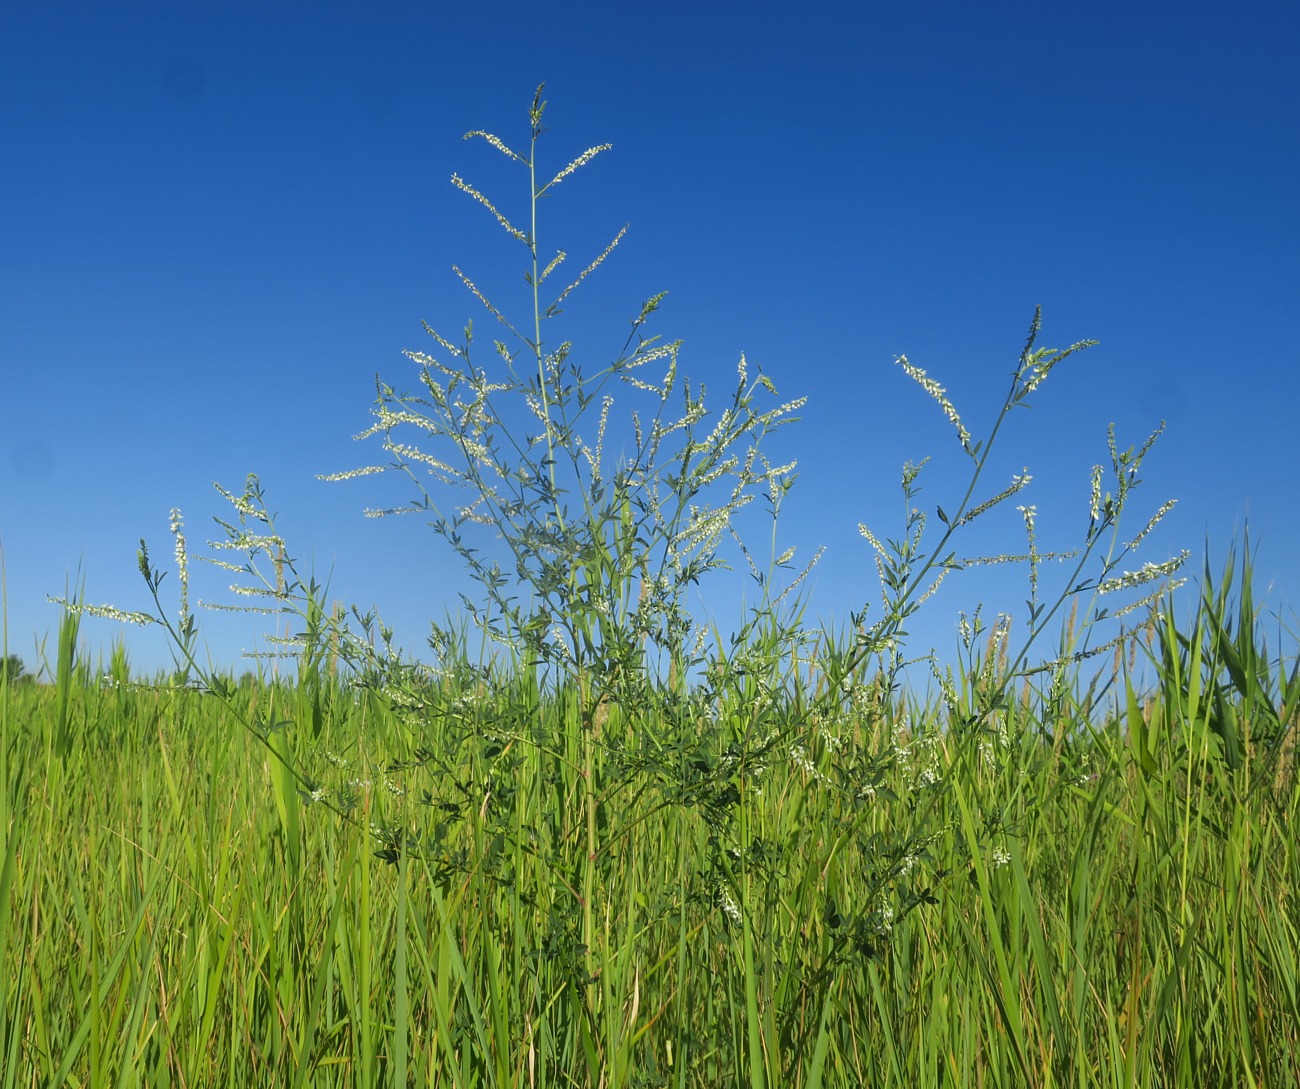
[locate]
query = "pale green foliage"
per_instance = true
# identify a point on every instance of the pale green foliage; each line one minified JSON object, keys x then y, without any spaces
{"x":598,"y":551}
{"x":910,"y":571}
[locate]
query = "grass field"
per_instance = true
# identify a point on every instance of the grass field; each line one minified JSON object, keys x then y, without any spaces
{"x":1098,"y":889}
{"x":623,"y":848}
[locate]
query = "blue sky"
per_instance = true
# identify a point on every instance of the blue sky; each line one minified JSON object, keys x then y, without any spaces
{"x":218,"y":224}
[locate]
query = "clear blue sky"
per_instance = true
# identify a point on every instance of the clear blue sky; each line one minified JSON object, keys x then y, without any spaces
{"x":218,"y":223}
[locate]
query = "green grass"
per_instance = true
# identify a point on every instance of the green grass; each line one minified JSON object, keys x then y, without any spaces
{"x":620,"y":848}
{"x":1090,"y":895}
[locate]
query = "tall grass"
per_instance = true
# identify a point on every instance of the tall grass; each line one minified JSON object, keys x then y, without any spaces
{"x":1113,"y":906}
{"x":625,"y":847}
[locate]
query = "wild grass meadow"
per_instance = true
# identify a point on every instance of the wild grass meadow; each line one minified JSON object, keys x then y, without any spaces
{"x":592,"y":839}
